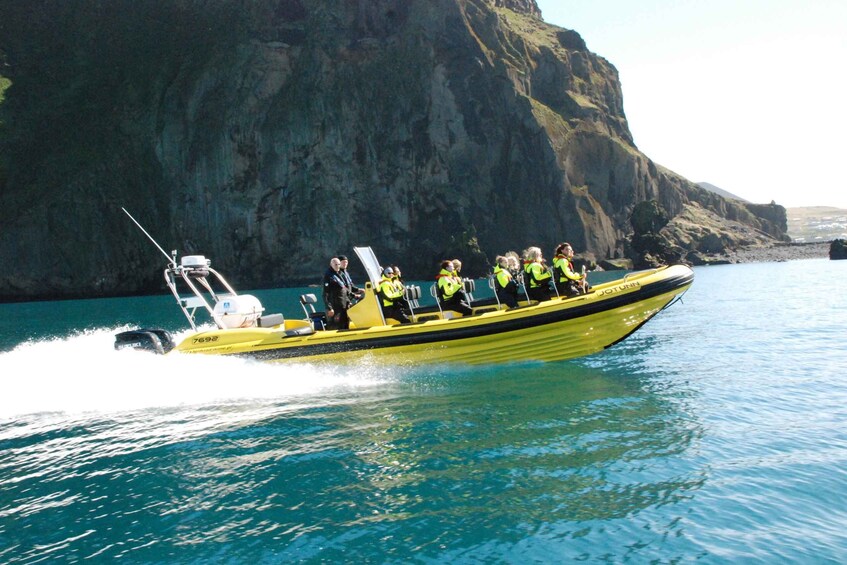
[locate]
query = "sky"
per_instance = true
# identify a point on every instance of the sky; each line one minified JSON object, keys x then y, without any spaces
{"x":748,"y":95}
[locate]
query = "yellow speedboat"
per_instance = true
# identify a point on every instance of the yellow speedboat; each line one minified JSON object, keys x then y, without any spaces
{"x":553,"y":330}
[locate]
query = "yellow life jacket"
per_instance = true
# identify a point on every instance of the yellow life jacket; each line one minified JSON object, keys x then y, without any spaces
{"x":502,"y":276}
{"x":389,"y":293}
{"x":564,"y":269}
{"x":447,"y":284}
{"x":538,"y":275}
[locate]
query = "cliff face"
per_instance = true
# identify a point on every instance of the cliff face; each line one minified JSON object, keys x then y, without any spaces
{"x":272,"y":135}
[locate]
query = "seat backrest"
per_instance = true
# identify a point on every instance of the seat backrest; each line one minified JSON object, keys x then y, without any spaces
{"x":413,"y":294}
{"x":470,"y":287}
{"x":307,"y":301}
{"x":271,"y":320}
{"x":433,"y":290}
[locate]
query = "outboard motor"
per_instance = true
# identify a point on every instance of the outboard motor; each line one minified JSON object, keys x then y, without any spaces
{"x":157,"y":341}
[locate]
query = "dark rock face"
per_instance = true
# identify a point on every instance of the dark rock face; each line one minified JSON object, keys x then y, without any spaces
{"x":272,"y":135}
{"x":838,"y":249}
{"x":616,"y":265}
{"x":570,"y":39}
{"x":649,"y":247}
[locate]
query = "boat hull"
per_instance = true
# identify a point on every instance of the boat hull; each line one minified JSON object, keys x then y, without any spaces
{"x":554,"y":330}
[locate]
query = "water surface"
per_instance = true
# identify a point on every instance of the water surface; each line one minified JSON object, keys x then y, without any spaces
{"x":715,"y":433}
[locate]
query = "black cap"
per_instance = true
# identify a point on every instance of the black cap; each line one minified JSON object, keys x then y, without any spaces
{"x":342,"y":257}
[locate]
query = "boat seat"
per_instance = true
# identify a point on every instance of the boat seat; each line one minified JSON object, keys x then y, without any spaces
{"x":307,"y":301}
{"x":317,"y":318}
{"x":485,"y":305}
{"x":299,"y":331}
{"x":470,"y":287}
{"x":426,"y":317}
{"x":413,"y":295}
{"x":271,"y":320}
{"x":424,"y":313}
{"x":445,"y":314}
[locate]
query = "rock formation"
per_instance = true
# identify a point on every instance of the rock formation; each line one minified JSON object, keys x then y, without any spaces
{"x":838,"y":249}
{"x":271,"y":134}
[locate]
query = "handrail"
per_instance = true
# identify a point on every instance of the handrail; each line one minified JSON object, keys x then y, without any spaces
{"x":433,"y":290}
{"x":640,"y":273}
{"x":492,"y":284}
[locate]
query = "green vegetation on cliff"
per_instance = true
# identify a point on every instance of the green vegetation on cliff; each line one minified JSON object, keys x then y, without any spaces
{"x":4,"y":84}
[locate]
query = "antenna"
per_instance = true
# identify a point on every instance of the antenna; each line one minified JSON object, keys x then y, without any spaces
{"x":159,"y":247}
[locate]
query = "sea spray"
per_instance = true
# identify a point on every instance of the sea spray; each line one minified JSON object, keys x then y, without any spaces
{"x":83,"y":373}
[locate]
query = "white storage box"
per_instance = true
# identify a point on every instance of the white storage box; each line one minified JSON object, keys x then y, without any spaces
{"x":240,"y":311}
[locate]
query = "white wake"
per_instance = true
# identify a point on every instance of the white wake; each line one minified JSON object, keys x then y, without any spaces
{"x":83,"y":373}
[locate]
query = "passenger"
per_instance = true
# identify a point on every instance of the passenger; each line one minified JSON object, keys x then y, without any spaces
{"x":336,"y":297}
{"x":457,"y":269}
{"x":514,"y":263}
{"x":451,"y":291}
{"x":398,"y":277}
{"x":568,"y":282}
{"x":537,"y":277}
{"x":392,"y":297}
{"x":400,"y":286}
{"x":356,"y":293}
{"x":505,"y":287}
{"x":516,"y":271}
{"x":457,"y":274}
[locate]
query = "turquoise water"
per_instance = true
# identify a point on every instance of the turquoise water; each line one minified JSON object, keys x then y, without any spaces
{"x":716,"y":433}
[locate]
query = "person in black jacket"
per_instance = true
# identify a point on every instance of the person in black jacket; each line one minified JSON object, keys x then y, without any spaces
{"x":337,"y":297}
{"x":356,"y":293}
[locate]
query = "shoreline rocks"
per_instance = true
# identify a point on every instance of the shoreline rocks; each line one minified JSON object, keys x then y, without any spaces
{"x":838,"y":249}
{"x":766,"y":254}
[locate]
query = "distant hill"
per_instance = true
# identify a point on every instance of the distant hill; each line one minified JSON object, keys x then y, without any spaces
{"x":817,"y":223}
{"x":720,"y":191}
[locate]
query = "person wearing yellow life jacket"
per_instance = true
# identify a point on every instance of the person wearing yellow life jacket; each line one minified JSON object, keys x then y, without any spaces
{"x":568,"y":282}
{"x":536,"y":276}
{"x":514,"y":261}
{"x":457,"y":268}
{"x":451,"y":290}
{"x":400,"y":286}
{"x":391,"y":297}
{"x":505,"y":287}
{"x":457,"y":274}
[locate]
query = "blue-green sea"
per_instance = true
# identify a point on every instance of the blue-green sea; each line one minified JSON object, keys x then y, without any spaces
{"x":717,"y":433}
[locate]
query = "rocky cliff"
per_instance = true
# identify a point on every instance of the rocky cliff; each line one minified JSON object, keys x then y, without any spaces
{"x":272,"y":134}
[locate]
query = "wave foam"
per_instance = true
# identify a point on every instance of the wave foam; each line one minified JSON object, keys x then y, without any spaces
{"x":83,"y":373}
